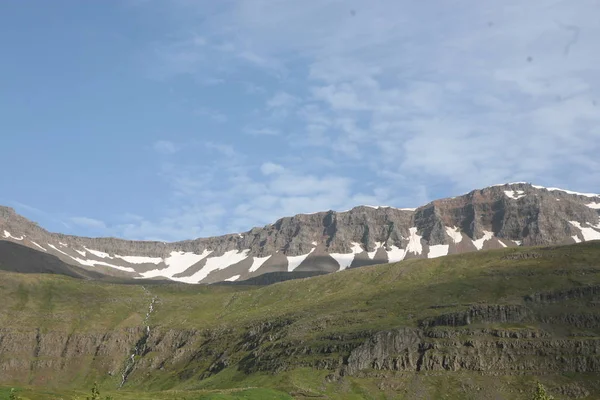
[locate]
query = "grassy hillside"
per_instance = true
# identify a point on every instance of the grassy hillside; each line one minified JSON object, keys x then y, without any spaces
{"x":296,"y":337}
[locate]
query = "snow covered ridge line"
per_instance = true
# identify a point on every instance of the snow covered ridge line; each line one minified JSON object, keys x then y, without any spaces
{"x":551,"y":189}
{"x":567,"y":191}
{"x":364,"y":205}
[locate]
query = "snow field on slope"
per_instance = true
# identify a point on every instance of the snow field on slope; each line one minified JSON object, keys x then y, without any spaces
{"x":215,"y":263}
{"x":177,"y":262}
{"x":345,"y":259}
{"x":295,"y":261}
{"x":588,"y":233}
{"x":438,"y":250}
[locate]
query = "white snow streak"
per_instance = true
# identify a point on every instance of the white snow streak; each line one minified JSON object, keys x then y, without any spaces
{"x":258,"y":262}
{"x":393,"y":208}
{"x":502,"y":243}
{"x":455,"y":234}
{"x":509,"y":184}
{"x":216,"y":263}
{"x":97,"y":253}
{"x":588,"y":233}
{"x":514,"y":194}
{"x":60,"y":251}
{"x":576,"y":239}
{"x":83,"y":253}
{"x":140,"y":260}
{"x":35,"y":244}
{"x":94,"y":263}
{"x":438,"y":250}
{"x":9,"y":236}
{"x":486,"y":236}
{"x":414,"y":244}
{"x":518,"y":242}
{"x":395,"y":254}
{"x":371,"y":254}
{"x":176,"y":263}
{"x":295,"y":261}
{"x":63,"y":244}
{"x":567,"y":191}
{"x":233,"y":278}
{"x":345,"y":259}
{"x":595,"y":206}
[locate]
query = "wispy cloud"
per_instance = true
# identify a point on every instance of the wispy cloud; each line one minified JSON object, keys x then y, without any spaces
{"x":395,"y":102}
{"x":270,"y":168}
{"x":211,"y":113}
{"x":262,"y":131}
{"x":282,"y":100}
{"x":165,"y":147}
{"x":87,"y":222}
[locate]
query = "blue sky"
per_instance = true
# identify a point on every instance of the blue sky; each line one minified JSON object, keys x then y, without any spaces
{"x":178,"y":119}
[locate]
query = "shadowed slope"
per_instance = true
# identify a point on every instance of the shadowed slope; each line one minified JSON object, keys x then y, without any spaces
{"x":17,"y":258}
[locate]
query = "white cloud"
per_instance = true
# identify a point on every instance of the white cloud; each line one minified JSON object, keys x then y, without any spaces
{"x":282,"y":100}
{"x":270,"y":168}
{"x":422,"y":101}
{"x":87,"y":222}
{"x":262,"y":131}
{"x":165,"y":147}
{"x":211,"y":113}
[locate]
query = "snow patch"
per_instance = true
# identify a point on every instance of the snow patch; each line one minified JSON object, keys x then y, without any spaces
{"x":371,"y":254}
{"x":95,"y":263}
{"x":438,"y":250}
{"x":567,"y":191}
{"x":455,"y":234}
{"x":502,"y":243}
{"x":9,"y":236}
{"x":393,"y":208}
{"x":216,"y":263}
{"x":515,"y":194}
{"x":345,"y":259}
{"x":140,"y":260}
{"x":509,"y":184}
{"x":233,"y":278}
{"x":97,"y":253}
{"x":414,"y":244}
{"x":257,"y":262}
{"x":395,"y":254}
{"x":595,"y":206}
{"x":588,"y":233}
{"x":314,"y":243}
{"x":486,"y":236}
{"x":83,"y":253}
{"x":60,"y":251}
{"x":35,"y":244}
{"x":295,"y":261}
{"x":576,"y":239}
{"x":176,"y":263}
{"x":518,"y":242}
{"x":63,"y":244}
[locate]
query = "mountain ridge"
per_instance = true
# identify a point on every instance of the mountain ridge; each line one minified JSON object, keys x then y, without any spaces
{"x":505,"y":215}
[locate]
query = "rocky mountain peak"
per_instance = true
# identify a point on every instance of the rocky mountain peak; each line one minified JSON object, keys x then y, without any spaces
{"x":498,"y":216}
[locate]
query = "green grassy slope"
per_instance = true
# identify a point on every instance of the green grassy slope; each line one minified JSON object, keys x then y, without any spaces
{"x":302,"y":331}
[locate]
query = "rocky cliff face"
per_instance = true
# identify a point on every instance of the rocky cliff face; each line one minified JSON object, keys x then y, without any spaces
{"x":499,"y":216}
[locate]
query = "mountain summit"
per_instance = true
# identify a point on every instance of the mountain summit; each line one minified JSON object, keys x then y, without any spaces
{"x":513,"y":214}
